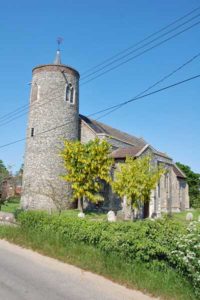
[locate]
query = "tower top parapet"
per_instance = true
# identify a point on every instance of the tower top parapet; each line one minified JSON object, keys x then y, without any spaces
{"x":56,"y":68}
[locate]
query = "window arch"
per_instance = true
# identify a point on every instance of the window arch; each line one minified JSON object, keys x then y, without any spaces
{"x":69,"y":93}
{"x":35,"y":92}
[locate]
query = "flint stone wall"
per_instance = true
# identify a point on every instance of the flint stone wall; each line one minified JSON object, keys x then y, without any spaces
{"x":52,"y":119}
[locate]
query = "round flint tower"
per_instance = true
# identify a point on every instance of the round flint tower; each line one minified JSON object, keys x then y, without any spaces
{"x":53,"y":115}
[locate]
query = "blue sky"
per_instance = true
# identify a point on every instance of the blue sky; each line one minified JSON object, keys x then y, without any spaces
{"x":93,"y":31}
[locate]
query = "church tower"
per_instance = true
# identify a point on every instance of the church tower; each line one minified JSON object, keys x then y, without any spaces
{"x":53,"y":115}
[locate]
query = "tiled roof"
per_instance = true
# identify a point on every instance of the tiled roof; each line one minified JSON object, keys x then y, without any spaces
{"x":101,"y":128}
{"x":127,"y":151}
{"x":178,"y":172}
{"x":162,"y":154}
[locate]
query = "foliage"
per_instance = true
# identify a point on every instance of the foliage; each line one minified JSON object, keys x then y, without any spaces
{"x":12,"y":204}
{"x":159,"y":244}
{"x":136,"y":178}
{"x":145,"y":241}
{"x":3,"y":174}
{"x":186,"y":254}
{"x":137,"y":275}
{"x":193,"y":180}
{"x":3,"y":169}
{"x":86,"y":165}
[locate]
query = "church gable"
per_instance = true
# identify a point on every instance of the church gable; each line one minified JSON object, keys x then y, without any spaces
{"x":86,"y":132}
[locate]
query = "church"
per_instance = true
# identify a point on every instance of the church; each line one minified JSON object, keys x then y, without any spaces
{"x":54,"y":116}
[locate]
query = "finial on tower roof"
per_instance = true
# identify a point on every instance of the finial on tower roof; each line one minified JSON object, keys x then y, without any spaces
{"x":57,"y":60}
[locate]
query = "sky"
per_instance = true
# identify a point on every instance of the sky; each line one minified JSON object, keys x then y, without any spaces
{"x":94,"y":31}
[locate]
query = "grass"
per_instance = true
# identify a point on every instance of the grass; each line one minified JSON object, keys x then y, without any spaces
{"x":167,"y":284}
{"x":181,"y":217}
{"x":11,"y":205}
{"x":88,"y":215}
{"x":14,"y":203}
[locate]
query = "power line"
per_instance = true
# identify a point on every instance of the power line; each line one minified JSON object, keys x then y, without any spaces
{"x":125,"y":102}
{"x":141,"y":53}
{"x":24,"y":111}
{"x":154,"y":92}
{"x":25,"y":107}
{"x":141,"y":41}
{"x":115,"y":107}
{"x":141,"y":47}
{"x":13,"y":119}
{"x":14,"y":113}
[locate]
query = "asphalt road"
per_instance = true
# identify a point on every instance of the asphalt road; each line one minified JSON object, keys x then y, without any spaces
{"x":27,"y":275}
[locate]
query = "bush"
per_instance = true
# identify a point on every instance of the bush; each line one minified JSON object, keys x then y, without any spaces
{"x":161,"y":244}
{"x":186,"y":254}
{"x":144,"y":241}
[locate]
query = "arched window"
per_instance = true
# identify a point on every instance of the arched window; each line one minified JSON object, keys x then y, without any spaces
{"x":70,"y":93}
{"x":35,"y":92}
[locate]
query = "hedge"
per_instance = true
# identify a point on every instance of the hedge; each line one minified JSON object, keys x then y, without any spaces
{"x":159,"y":244}
{"x":147,"y":241}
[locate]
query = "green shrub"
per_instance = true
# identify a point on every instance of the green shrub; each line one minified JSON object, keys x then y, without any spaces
{"x":186,"y":254}
{"x":144,"y":241}
{"x":159,"y":244}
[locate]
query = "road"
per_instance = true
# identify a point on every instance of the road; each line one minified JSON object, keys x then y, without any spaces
{"x":27,"y":275}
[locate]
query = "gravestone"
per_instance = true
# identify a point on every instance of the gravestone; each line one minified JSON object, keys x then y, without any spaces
{"x":81,"y":215}
{"x":189,"y":216}
{"x":111,"y":217}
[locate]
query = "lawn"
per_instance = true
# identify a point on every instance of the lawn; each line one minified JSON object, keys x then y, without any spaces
{"x":88,"y":215}
{"x":14,"y":203}
{"x":11,"y":205}
{"x":181,"y":217}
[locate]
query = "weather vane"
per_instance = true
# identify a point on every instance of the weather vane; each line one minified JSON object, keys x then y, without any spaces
{"x":59,"y":41}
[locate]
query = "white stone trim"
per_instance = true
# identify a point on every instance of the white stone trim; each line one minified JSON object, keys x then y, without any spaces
{"x":143,"y":149}
{"x":73,"y":95}
{"x":180,"y":170}
{"x":88,"y":126}
{"x":38,"y":92}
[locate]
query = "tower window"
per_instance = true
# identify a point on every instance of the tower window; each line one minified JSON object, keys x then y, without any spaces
{"x":32,"y":132}
{"x":69,"y":94}
{"x":35,"y":92}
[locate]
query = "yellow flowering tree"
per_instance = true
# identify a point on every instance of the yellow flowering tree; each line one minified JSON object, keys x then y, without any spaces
{"x":136,"y":178}
{"x":86,"y":165}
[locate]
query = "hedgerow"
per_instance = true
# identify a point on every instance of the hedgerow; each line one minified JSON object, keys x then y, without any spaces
{"x":161,"y":243}
{"x":185,"y":255}
{"x":145,"y":241}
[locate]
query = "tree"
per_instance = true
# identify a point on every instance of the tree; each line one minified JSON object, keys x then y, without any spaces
{"x":135,"y":179}
{"x":193,"y":180}
{"x":3,"y":174}
{"x":86,"y":166}
{"x":3,"y":171}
